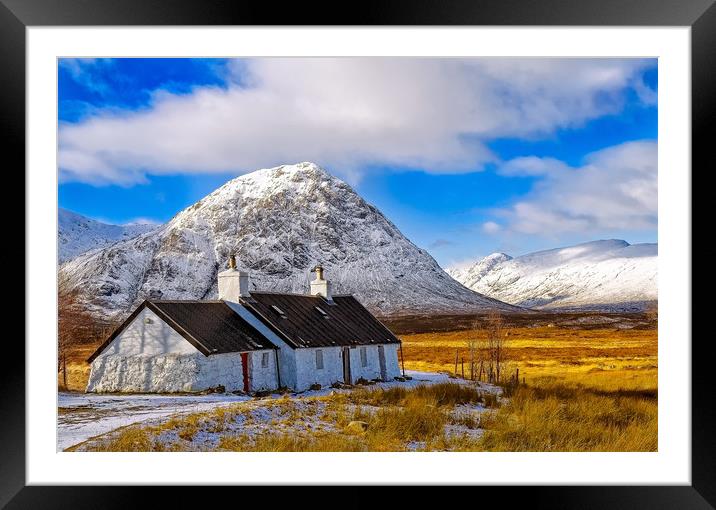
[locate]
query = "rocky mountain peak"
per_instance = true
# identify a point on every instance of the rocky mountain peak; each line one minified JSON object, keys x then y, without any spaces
{"x":608,"y":274}
{"x":279,"y":222}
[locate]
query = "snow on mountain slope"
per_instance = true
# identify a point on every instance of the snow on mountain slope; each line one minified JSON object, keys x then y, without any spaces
{"x":77,"y":234}
{"x":280,"y":222}
{"x":608,"y":274}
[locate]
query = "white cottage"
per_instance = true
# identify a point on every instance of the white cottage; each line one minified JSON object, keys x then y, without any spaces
{"x":246,"y":341}
{"x":177,"y":346}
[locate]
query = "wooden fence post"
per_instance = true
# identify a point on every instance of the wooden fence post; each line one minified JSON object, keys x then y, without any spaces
{"x":462,"y":366}
{"x":456,"y":352}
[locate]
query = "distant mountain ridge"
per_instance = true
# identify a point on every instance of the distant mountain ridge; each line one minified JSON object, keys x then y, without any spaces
{"x":601,"y":275}
{"x":77,"y":234}
{"x":279,"y":222}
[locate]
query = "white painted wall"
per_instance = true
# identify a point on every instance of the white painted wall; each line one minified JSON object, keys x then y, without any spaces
{"x":392,"y":365}
{"x":219,"y":370}
{"x":287,"y":355}
{"x":371,"y":370}
{"x":149,"y":356}
{"x":307,"y":373}
{"x":263,"y":378}
{"x":165,"y":373}
{"x":148,"y":338}
{"x":169,"y":373}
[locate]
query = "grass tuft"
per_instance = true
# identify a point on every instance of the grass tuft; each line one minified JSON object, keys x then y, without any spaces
{"x":557,"y":417}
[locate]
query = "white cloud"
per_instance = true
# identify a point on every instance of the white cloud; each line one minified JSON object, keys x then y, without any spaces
{"x":616,"y":189}
{"x":141,"y":221}
{"x":434,"y":114}
{"x":490,"y":227}
{"x":83,"y":71}
{"x":530,"y":166}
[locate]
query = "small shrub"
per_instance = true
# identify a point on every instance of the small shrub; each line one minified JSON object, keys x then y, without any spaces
{"x":130,"y":439}
{"x":418,"y":420}
{"x":490,"y":400}
{"x":444,"y":394}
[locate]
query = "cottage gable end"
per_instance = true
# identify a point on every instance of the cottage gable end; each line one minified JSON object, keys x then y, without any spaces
{"x":147,"y":334}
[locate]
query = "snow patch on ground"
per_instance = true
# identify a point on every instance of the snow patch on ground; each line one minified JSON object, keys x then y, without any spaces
{"x":84,"y":416}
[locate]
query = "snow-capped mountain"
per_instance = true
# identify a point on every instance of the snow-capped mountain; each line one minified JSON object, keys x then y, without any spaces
{"x":279,"y":222}
{"x":77,"y":234}
{"x":605,"y":275}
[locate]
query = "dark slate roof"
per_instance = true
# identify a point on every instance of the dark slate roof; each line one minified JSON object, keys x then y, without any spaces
{"x":346,"y":321}
{"x":210,"y":326}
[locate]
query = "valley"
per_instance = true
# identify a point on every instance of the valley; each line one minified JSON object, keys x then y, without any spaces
{"x":590,"y":388}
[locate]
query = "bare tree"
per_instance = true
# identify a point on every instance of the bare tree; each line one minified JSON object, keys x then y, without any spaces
{"x":489,"y":348}
{"x":75,"y":325}
{"x":473,"y":348}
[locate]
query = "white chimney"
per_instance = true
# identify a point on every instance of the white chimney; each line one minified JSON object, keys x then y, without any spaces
{"x":319,"y":286}
{"x":233,"y":283}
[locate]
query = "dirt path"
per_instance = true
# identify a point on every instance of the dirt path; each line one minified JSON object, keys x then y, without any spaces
{"x":82,"y":416}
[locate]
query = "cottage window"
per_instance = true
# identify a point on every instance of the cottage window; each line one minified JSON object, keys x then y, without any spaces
{"x":278,"y":311}
{"x":319,"y":359}
{"x":264,"y":359}
{"x":363,"y":357}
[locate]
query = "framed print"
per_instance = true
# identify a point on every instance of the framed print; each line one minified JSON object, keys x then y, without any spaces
{"x":442,"y":245}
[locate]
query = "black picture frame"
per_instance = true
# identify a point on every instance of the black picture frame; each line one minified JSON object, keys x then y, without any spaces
{"x":700,"y":15}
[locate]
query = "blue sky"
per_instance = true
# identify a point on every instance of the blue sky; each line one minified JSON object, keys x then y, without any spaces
{"x":466,"y":157}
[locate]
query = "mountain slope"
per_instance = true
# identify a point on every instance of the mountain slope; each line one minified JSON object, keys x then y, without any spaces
{"x":609,"y":274}
{"x":280,"y":222}
{"x":77,"y":234}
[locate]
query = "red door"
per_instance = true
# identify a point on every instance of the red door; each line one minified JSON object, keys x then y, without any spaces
{"x":245,"y":369}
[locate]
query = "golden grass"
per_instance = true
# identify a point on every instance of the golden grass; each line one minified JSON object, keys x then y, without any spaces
{"x":408,"y":415}
{"x":130,"y":439}
{"x":415,"y":415}
{"x":78,"y":370}
{"x":442,"y":394}
{"x":600,"y":358}
{"x":586,"y":390}
{"x":549,"y":417}
{"x":556,"y":417}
